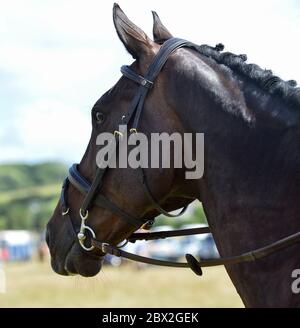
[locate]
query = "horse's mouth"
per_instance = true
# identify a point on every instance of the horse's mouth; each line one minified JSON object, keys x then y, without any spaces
{"x":78,"y":262}
{"x":59,"y":267}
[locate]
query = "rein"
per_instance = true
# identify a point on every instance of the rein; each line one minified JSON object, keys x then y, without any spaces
{"x":192,"y":262}
{"x":93,"y":196}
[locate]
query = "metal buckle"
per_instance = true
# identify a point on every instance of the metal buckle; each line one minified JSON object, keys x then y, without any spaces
{"x":133,"y":130}
{"x":147,"y":225}
{"x":82,"y":215}
{"x":118,"y":133}
{"x":124,"y":244}
{"x":103,"y":247}
{"x":81,"y":234}
{"x":65,"y":212}
{"x":146,"y":83}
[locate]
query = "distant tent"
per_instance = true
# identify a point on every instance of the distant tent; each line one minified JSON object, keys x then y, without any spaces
{"x":16,"y":245}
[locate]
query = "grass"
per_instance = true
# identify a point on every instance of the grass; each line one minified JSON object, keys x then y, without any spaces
{"x":35,"y":285}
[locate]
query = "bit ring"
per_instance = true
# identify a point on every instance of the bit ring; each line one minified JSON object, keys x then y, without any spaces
{"x":66,"y":211}
{"x":83,"y":214}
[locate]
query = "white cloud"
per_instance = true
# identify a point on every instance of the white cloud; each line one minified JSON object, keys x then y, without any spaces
{"x":48,"y":130}
{"x":64,"y":54}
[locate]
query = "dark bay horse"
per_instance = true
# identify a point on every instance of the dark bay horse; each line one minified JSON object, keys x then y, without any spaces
{"x":251,"y":182}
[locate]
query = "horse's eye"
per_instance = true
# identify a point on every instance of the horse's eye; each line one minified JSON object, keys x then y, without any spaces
{"x":99,"y":117}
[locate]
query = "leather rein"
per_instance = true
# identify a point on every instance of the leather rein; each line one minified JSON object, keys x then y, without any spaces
{"x":92,"y":195}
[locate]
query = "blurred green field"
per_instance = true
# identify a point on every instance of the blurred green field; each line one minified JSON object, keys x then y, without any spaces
{"x":35,"y":285}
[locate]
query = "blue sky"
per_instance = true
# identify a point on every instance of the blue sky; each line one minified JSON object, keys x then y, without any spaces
{"x":58,"y":57}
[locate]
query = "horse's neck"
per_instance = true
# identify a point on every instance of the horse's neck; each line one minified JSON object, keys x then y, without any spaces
{"x":252,"y":170}
{"x":250,"y":192}
{"x":270,"y":111}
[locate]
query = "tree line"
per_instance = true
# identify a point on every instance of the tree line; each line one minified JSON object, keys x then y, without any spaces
{"x":29,"y":194}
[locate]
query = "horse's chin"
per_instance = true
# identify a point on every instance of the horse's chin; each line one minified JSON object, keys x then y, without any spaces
{"x":81,"y":262}
{"x":78,"y":262}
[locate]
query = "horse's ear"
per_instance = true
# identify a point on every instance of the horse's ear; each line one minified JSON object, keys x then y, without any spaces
{"x":160,"y":32}
{"x":134,"y":39}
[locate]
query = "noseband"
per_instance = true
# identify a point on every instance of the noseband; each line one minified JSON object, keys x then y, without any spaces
{"x":93,"y":196}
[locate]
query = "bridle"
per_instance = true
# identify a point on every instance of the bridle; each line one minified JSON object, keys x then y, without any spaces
{"x":92,"y":191}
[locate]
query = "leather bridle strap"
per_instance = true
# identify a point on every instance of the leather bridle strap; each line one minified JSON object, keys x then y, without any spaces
{"x":196,"y":265}
{"x":83,"y":186}
{"x":134,"y":111}
{"x":155,"y":202}
{"x":160,"y":59}
{"x":130,"y":74}
{"x":166,"y":234}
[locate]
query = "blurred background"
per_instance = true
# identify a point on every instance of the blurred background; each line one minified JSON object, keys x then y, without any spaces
{"x":56,"y":59}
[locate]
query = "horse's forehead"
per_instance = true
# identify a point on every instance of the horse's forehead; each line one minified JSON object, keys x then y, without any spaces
{"x":121,"y":90}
